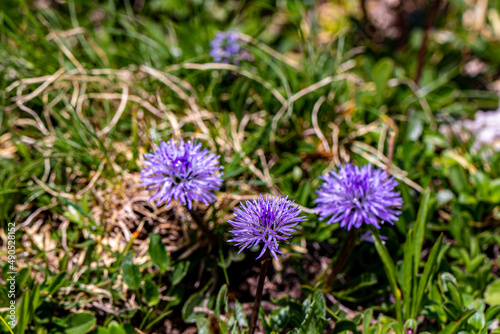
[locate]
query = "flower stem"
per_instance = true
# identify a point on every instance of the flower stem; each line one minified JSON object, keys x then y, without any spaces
{"x":258,"y":294}
{"x":198,"y":219}
{"x":342,"y":258}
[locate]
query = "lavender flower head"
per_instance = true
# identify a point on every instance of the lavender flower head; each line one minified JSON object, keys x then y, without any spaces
{"x":267,"y":220}
{"x":181,"y":171}
{"x":353,"y":196}
{"x":225,"y":47}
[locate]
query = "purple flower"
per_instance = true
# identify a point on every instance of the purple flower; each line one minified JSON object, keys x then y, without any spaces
{"x":232,"y":37}
{"x":181,"y":171}
{"x":225,"y":47}
{"x":354,"y":196}
{"x":267,"y":220}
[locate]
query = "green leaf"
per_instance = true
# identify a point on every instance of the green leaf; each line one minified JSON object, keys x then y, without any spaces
{"x":56,"y":283}
{"x":158,"y":253}
{"x":303,"y":192}
{"x":151,"y":292}
{"x":153,"y":322}
{"x":79,"y":209}
{"x":396,"y":327}
{"x":492,"y":293}
{"x":454,"y":327}
{"x":221,"y":300}
{"x":188,"y":313}
{"x":23,"y":316}
{"x":381,"y":73}
{"x":345,"y":325}
{"x":452,"y":310}
{"x":495,"y":191}
{"x":408,"y":278}
{"x":429,"y":270}
{"x":390,"y":270}
{"x":240,"y":314}
{"x":418,"y":240}
{"x":180,"y":270}
{"x":35,"y":298}
{"x":22,"y":277}
{"x":80,"y":323}
{"x":131,"y":274}
{"x":458,"y":178}
{"x":450,"y":289}
{"x":319,"y":304}
{"x":492,"y":312}
{"x":280,"y":317}
{"x":475,"y":263}
{"x":367,"y":319}
{"x":203,"y":326}
{"x":419,"y":230}
{"x":457,"y":226}
{"x":115,"y":328}
{"x":477,"y":321}
{"x":305,"y":325}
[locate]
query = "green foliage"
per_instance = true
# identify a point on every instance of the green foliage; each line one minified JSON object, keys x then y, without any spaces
{"x":158,"y":253}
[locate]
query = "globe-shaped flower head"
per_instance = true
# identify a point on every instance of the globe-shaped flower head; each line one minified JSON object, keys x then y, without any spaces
{"x":267,"y":220}
{"x":353,"y":196}
{"x":225,"y":47}
{"x":181,"y":171}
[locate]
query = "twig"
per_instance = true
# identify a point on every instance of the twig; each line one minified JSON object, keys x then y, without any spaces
{"x":315,"y":124}
{"x":380,"y":164}
{"x":170,"y":116}
{"x":265,"y":166}
{"x":118,"y":114}
{"x":390,"y":150}
{"x":93,"y":180}
{"x":28,"y":221}
{"x":50,"y":191}
{"x":41,"y":88}
{"x":115,"y":96}
{"x":38,"y":121}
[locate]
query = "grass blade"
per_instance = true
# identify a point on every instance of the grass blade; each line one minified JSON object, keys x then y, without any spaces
{"x":418,"y":240}
{"x":428,"y":272}
{"x":390,"y":271}
{"x":408,"y":277}
{"x":454,"y":327}
{"x":8,"y":327}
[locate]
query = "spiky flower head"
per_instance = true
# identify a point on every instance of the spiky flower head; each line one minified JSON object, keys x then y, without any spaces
{"x":266,"y":220}
{"x":181,"y":171}
{"x":353,"y":196}
{"x":225,"y":47}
